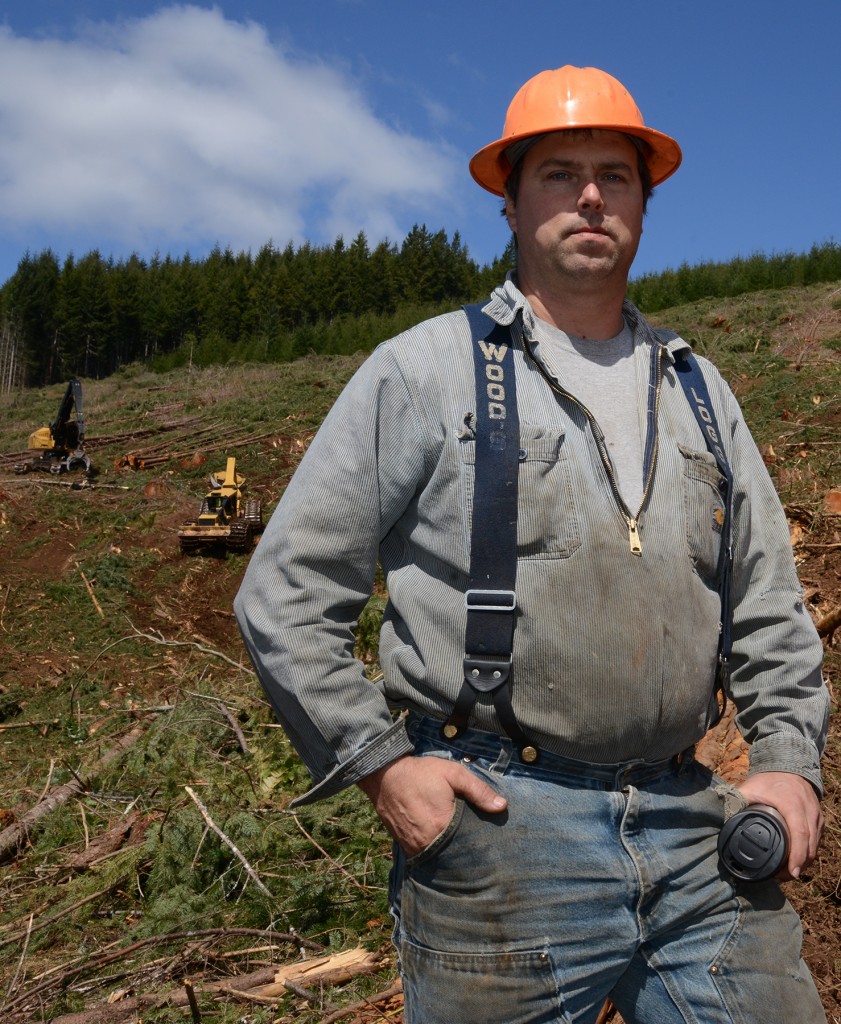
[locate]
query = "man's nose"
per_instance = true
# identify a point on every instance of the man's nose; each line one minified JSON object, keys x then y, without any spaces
{"x":591,"y":197}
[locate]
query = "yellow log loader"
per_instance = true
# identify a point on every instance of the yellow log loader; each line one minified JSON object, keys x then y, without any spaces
{"x":60,"y":445}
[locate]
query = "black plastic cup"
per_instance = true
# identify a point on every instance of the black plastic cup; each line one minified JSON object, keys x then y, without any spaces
{"x":753,"y":844}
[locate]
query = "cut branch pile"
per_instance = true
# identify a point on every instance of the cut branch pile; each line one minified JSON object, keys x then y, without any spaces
{"x":16,"y":834}
{"x":305,"y":979}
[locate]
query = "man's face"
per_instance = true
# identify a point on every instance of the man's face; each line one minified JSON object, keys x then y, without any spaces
{"x":579,"y":209}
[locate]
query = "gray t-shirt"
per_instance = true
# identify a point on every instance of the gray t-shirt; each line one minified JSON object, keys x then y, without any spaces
{"x":601,"y":375}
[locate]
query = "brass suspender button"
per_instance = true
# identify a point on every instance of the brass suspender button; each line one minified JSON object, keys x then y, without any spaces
{"x":450,"y":731}
{"x":529,"y":754}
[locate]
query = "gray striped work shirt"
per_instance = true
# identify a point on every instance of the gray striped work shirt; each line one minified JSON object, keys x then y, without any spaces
{"x":614,"y":652}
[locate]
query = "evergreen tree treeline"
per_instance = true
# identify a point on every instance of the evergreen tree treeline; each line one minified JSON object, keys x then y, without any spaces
{"x":89,"y":317}
{"x":739,"y":276}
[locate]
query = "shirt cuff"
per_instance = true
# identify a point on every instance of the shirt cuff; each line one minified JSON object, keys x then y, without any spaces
{"x":785,"y":752}
{"x":387,"y":747}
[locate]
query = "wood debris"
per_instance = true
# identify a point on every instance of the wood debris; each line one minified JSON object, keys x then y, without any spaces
{"x":304,"y":978}
{"x":12,"y":837}
{"x":167,"y":451}
{"x":325,"y":970}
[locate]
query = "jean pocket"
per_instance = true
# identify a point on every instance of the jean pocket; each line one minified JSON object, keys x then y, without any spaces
{"x":442,"y":840}
{"x":759,"y":972}
{"x":479,"y":988}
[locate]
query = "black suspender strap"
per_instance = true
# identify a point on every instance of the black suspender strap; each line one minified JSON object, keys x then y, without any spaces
{"x":692,"y":379}
{"x":491,"y":598}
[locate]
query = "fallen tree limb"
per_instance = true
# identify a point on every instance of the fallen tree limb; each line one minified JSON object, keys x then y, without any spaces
{"x":12,"y":837}
{"x":62,"y":913}
{"x":29,"y":725}
{"x":364,"y":1004}
{"x":91,"y":594}
{"x":160,"y":639}
{"x":64,"y":978}
{"x":253,"y":995}
{"x":229,"y":716}
{"x":363,"y":888}
{"x":829,"y":622}
{"x":321,"y":972}
{"x":21,"y":961}
{"x":111,"y":841}
{"x":235,"y":727}
{"x":127,"y":1009}
{"x":163,"y":642}
{"x":252,"y":874}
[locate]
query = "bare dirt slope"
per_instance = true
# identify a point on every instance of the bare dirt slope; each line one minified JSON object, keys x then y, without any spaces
{"x":126,"y":702}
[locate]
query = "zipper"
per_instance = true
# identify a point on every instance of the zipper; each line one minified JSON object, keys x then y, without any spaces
{"x":651,"y":441}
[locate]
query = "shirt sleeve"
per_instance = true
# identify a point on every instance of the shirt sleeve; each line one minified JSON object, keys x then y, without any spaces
{"x":313,"y":572}
{"x":782,"y":704}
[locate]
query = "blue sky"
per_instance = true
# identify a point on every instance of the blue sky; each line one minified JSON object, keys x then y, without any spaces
{"x":133,"y":126}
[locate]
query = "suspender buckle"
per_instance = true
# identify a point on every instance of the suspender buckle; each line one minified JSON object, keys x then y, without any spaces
{"x":490,"y":600}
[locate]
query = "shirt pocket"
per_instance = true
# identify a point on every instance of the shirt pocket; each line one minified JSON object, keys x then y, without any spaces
{"x":704,"y":490}
{"x":547,"y":521}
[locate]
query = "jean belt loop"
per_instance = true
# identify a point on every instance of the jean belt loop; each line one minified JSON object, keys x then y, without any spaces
{"x":506,"y":752}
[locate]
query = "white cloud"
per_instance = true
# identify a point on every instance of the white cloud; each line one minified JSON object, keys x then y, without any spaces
{"x":183,"y":128}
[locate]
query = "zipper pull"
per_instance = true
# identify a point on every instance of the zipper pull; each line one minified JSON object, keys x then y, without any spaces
{"x":634,"y":537}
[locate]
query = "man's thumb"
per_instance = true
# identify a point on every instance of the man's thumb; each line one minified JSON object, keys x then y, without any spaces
{"x":480,"y":794}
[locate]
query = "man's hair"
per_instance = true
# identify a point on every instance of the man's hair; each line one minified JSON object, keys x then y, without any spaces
{"x":512,"y":185}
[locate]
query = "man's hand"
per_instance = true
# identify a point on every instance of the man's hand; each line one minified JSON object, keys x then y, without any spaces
{"x":415,"y":797}
{"x":796,"y":801}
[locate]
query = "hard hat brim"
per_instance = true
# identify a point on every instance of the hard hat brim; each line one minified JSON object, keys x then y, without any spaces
{"x":490,"y":169}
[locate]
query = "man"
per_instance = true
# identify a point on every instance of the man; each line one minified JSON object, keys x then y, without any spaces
{"x":555,"y":840}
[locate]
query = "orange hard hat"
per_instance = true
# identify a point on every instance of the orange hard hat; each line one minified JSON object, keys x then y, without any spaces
{"x":571,"y":97}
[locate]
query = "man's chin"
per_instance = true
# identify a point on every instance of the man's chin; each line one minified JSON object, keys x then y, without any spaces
{"x":585,"y":266}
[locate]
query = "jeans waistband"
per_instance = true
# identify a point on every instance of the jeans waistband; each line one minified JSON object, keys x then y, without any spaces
{"x":426,"y":734}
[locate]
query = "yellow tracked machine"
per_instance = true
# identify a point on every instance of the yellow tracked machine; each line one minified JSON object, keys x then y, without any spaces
{"x":226,"y":518}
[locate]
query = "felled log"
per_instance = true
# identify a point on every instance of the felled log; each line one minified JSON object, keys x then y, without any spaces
{"x":13,"y":837}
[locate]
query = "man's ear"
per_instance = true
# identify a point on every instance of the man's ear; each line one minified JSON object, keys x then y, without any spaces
{"x":510,"y":212}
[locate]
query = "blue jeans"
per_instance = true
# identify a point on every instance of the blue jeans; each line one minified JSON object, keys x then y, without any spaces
{"x":598,"y":880}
